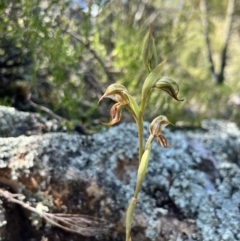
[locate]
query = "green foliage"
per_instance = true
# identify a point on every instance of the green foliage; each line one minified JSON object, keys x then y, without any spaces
{"x":43,"y":54}
{"x":68,"y":54}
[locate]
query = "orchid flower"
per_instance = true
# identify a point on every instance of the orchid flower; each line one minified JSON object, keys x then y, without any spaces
{"x":155,"y":129}
{"x":120,"y":95}
{"x":169,"y":85}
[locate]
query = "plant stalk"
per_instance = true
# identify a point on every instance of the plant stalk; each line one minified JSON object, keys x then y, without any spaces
{"x":140,"y":138}
{"x":140,"y":129}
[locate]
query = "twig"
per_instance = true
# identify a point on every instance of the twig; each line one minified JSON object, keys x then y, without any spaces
{"x":48,"y":111}
{"x":81,"y":224}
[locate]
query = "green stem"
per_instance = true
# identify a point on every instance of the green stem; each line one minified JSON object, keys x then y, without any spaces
{"x":140,"y":138}
{"x":132,"y":205}
{"x":137,"y":189}
{"x":143,"y":168}
{"x":129,"y":218}
{"x":140,"y":129}
{"x":140,"y":177}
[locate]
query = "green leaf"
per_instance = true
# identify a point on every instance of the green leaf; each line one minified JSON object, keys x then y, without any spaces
{"x":129,"y":217}
{"x":151,"y":80}
{"x":143,"y":166}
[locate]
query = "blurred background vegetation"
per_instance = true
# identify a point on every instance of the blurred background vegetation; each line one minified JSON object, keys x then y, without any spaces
{"x":58,"y":56}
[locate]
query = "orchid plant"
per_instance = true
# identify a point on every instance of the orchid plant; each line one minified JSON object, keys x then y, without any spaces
{"x":121,"y":96}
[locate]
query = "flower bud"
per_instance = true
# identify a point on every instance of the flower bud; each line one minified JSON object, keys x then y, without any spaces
{"x":149,"y":54}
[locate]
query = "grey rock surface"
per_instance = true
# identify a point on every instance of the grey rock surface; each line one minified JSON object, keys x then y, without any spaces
{"x":191,"y":191}
{"x":14,"y":123}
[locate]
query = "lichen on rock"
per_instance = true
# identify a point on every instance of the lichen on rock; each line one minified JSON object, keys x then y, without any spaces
{"x":191,"y":190}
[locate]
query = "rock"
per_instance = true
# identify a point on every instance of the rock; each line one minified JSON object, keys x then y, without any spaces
{"x":14,"y":123}
{"x":191,"y":191}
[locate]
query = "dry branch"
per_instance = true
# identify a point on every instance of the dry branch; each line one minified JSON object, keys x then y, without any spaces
{"x":81,"y":224}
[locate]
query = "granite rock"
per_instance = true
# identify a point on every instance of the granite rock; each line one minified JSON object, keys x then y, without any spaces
{"x":191,"y":191}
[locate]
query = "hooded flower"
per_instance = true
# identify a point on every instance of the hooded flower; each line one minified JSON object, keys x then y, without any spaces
{"x":155,"y":129}
{"x":169,"y":85}
{"x":120,"y":95}
{"x":154,"y":80}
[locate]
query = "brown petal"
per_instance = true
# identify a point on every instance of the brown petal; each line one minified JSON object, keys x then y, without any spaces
{"x":115,"y":114}
{"x":161,"y":140}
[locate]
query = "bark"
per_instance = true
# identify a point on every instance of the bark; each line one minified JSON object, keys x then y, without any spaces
{"x":205,"y":24}
{"x":218,"y":76}
{"x":228,"y":28}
